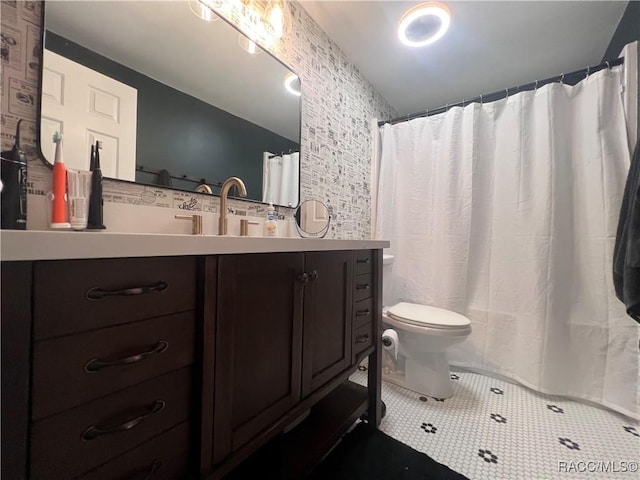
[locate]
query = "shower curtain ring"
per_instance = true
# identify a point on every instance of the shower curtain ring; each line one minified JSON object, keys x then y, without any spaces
{"x":608,"y":65}
{"x":588,"y":71}
{"x":480,"y":99}
{"x":506,"y":93}
{"x":536,"y":87}
{"x":562,"y":79}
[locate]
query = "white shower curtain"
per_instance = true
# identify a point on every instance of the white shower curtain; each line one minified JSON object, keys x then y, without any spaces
{"x":507,"y":212}
{"x":280,"y":178}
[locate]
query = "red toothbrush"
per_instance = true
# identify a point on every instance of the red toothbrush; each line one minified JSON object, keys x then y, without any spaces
{"x":59,"y":194}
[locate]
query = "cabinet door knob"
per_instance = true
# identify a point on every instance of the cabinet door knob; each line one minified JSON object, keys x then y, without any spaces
{"x":314,"y":275}
{"x":363,"y":313}
{"x":363,"y":260}
{"x":362,"y":286}
{"x":303,"y":278}
{"x":362,"y":339}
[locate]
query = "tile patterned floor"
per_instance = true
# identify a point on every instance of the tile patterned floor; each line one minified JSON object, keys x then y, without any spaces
{"x":492,"y":429}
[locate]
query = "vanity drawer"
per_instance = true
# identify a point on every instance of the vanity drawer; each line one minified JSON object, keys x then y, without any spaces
{"x":362,"y":338}
{"x":165,"y":457}
{"x":78,"y":295}
{"x":362,"y":287}
{"x":71,"y":370}
{"x":362,"y":313}
{"x":74,"y":442}
{"x":363,"y":261}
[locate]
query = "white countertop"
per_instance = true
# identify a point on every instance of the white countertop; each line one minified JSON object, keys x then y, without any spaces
{"x":51,"y":245}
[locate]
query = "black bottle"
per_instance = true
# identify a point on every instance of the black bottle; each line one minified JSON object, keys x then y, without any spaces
{"x":13,"y":199}
{"x":95,"y":221}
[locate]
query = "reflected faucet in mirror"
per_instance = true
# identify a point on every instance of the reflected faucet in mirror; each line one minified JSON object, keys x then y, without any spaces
{"x":226,"y":186}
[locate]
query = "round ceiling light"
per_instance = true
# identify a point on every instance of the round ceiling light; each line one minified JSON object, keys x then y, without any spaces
{"x":424,"y":24}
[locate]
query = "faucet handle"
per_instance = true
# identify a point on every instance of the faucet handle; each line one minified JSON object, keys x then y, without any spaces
{"x":196,"y":222}
{"x":244,"y":227}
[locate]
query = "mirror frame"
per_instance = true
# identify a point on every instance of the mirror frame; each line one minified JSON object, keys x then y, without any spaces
{"x":49,"y":165}
{"x":303,"y":233}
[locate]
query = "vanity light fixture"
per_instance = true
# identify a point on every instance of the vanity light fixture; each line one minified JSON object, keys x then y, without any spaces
{"x":276,"y":17}
{"x":417,"y":27}
{"x":291,"y":82}
{"x":202,"y":11}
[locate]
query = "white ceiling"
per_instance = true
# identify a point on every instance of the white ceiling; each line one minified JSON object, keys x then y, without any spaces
{"x":489,"y":46}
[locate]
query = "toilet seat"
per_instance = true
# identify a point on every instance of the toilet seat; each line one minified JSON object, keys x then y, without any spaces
{"x":426,"y":316}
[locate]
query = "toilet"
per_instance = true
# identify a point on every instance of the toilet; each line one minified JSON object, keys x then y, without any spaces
{"x":415,"y":342}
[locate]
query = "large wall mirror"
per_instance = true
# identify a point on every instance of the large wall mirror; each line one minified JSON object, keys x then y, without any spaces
{"x":176,"y":101}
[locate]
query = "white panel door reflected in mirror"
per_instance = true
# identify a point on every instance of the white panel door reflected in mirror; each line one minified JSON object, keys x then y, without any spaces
{"x":85,"y":106}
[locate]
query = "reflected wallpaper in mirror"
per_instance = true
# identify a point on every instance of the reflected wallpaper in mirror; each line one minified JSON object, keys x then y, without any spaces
{"x":174,"y":99}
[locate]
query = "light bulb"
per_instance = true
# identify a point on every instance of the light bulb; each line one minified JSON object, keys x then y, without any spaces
{"x":202,"y":11}
{"x":248,"y":45}
{"x":276,"y":18}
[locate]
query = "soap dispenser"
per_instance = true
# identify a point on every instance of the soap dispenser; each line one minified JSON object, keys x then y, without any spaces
{"x":271,"y":223}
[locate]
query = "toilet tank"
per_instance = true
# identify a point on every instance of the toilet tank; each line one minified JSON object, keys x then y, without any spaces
{"x":387,"y":265}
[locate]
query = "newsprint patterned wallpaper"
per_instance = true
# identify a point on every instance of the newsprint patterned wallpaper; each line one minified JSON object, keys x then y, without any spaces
{"x":338,"y":103}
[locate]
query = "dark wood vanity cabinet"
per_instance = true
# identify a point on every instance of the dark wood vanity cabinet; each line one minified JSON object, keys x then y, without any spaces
{"x":258,"y":345}
{"x":111,"y":369}
{"x":327,"y":318}
{"x":283,"y":331}
{"x":182,"y":367}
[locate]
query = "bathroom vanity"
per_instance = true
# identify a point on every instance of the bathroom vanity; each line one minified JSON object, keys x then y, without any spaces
{"x":170,"y":356}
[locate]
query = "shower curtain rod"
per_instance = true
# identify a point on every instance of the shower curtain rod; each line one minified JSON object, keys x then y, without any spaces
{"x":492,"y":97}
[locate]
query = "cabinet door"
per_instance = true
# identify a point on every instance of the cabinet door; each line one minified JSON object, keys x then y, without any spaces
{"x":327,"y":318}
{"x":258,"y":345}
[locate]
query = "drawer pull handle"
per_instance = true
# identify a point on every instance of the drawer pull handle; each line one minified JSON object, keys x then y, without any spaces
{"x":363,"y":260}
{"x":363,"y":313}
{"x":155,"y":466}
{"x":94,"y":432}
{"x":362,"y":339}
{"x":95,"y":364}
{"x":97,"y":293}
{"x":362,"y":286}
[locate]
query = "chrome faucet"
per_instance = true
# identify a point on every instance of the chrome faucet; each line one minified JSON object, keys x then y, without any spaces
{"x":226,"y":186}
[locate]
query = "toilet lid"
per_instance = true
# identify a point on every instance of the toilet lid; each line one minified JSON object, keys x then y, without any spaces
{"x":426,"y":316}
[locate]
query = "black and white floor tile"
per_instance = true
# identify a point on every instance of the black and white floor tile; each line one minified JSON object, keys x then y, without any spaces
{"x":493,"y":429}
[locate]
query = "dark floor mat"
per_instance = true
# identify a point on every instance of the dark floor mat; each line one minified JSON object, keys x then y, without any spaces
{"x":369,"y":454}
